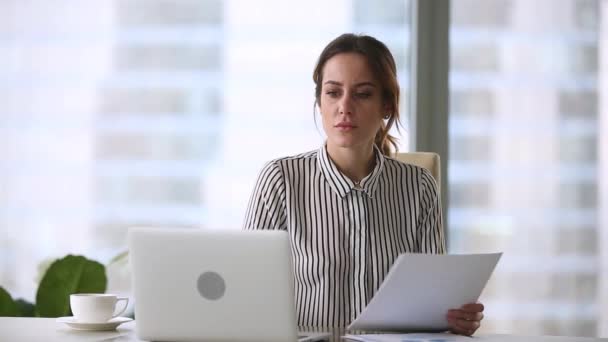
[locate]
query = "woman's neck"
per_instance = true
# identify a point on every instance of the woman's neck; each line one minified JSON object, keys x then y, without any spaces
{"x":355,"y":163}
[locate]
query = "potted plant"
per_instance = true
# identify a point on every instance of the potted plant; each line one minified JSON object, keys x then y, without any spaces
{"x":71,"y":274}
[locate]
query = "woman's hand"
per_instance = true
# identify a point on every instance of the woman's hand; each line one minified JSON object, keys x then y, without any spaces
{"x":466,"y":320}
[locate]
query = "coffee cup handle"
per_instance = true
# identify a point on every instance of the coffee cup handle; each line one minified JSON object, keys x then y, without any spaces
{"x":121,"y":299}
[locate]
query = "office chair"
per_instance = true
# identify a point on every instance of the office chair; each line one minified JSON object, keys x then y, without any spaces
{"x":427,"y":160}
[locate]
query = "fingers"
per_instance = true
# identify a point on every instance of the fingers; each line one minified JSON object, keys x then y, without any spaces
{"x":466,"y":320}
{"x":462,"y":326}
{"x":460,"y":314}
{"x":463,"y":323}
{"x":473,"y":307}
{"x":463,"y":330}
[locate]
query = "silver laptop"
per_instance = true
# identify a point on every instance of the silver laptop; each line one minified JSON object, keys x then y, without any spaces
{"x":192,"y":284}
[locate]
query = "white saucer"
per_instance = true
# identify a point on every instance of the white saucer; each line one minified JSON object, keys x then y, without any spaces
{"x":105,"y":326}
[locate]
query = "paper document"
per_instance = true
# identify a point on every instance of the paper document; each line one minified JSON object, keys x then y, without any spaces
{"x":419,"y":290}
{"x":407,"y":338}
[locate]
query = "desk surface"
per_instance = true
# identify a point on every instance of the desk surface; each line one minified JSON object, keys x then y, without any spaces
{"x":46,"y":329}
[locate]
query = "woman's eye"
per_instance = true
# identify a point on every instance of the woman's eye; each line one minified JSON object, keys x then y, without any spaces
{"x":363,"y":95}
{"x":332,"y":93}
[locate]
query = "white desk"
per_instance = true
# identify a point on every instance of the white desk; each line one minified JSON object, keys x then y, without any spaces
{"x":46,"y":329}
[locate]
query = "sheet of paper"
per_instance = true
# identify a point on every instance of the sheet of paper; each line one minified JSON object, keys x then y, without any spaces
{"x":420,"y":289}
{"x":407,"y":338}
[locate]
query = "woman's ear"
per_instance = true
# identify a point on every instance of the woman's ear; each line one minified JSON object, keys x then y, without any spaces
{"x":388,"y":111}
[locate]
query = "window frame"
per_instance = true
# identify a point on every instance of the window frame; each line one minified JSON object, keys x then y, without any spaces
{"x":429,"y":86}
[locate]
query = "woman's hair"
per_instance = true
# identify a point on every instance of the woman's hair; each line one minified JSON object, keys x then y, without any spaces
{"x":382,"y":64}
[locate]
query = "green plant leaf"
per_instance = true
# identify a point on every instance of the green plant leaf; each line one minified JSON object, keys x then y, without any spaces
{"x":42,"y":267}
{"x":7,"y":305}
{"x":25,"y":308}
{"x":72,"y":274}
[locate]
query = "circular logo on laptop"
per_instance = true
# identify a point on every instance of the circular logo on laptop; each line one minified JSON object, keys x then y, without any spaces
{"x":211,"y":285}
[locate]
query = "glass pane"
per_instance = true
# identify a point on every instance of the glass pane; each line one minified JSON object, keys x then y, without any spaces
{"x":524,"y":158}
{"x":156,"y":113}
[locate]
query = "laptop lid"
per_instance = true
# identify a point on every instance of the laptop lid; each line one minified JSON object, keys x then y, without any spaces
{"x":192,"y":284}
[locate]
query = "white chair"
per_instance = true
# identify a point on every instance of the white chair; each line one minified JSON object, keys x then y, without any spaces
{"x":427,"y":160}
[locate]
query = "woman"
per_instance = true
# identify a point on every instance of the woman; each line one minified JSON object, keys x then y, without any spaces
{"x":349,"y":208}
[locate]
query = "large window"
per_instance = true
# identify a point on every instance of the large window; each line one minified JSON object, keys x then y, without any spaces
{"x":524,"y":148}
{"x":154,"y":112}
{"x":161,"y":113}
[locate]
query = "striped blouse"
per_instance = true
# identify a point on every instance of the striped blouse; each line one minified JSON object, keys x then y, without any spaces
{"x":344,"y":236}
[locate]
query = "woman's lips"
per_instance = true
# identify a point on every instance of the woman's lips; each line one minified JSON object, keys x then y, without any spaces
{"x":345,"y":126}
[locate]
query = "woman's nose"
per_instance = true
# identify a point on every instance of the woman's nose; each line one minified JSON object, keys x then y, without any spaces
{"x":345,"y":106}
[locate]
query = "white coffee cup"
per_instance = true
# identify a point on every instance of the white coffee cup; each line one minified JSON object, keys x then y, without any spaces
{"x":96,"y":307}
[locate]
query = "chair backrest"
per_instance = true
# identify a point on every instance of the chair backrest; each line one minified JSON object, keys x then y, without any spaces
{"x":427,"y":160}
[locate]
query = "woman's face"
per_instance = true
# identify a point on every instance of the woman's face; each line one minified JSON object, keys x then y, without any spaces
{"x":350,"y":102}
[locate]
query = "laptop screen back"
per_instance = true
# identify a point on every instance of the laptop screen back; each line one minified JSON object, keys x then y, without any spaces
{"x":192,"y":284}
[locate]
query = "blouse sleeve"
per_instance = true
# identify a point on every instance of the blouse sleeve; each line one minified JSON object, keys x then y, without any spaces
{"x":431,"y":238}
{"x":266,"y":209}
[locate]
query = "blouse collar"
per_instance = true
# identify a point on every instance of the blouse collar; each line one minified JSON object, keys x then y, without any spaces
{"x":340,"y":183}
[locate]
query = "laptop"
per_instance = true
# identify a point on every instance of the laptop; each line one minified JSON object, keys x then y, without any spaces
{"x":193,"y":284}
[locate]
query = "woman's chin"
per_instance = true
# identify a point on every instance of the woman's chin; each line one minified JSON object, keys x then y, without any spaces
{"x":347,"y":143}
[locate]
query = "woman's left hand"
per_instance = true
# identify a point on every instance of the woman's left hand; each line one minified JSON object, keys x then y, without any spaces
{"x":466,"y":320}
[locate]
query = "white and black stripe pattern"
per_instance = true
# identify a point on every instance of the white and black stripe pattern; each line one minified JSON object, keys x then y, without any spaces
{"x":345,"y":238}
